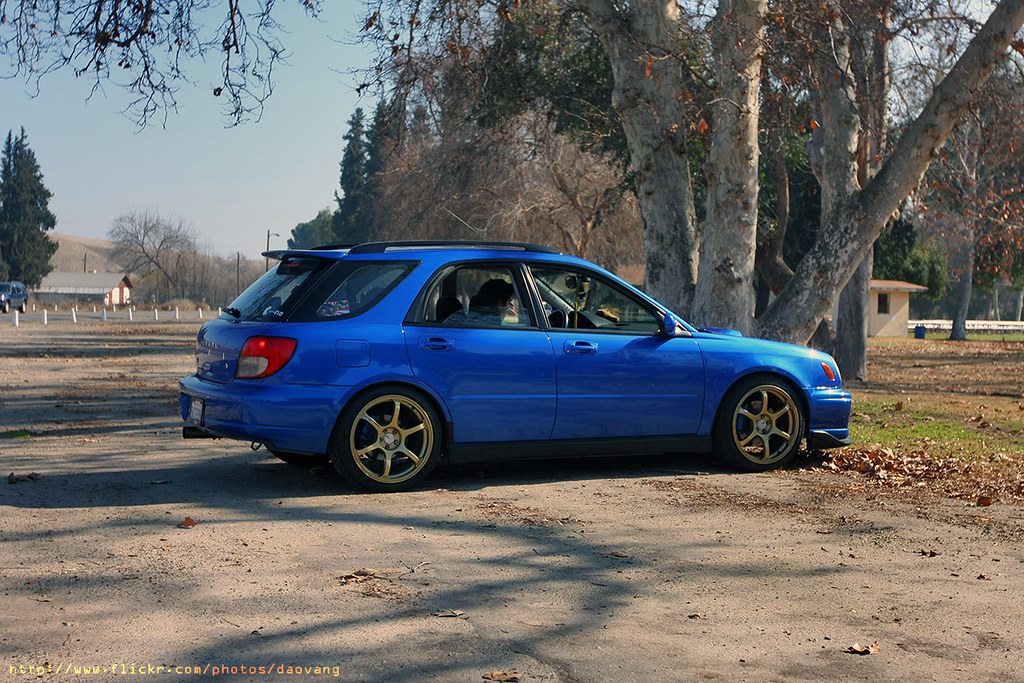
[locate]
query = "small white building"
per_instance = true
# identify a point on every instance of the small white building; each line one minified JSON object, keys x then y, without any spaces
{"x":890,"y":307}
{"x":110,"y":289}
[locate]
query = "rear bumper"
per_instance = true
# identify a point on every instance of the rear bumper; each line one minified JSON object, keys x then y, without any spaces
{"x":298,"y":419}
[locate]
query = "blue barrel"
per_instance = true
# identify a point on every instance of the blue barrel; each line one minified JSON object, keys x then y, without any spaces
{"x":919,"y":331}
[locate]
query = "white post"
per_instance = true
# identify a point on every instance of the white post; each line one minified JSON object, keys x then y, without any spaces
{"x":129,"y":314}
{"x":44,"y":317}
{"x":14,"y":321}
{"x":74,"y":317}
{"x":156,"y":314}
{"x":200,"y":312}
{"x":103,"y":315}
{"x":176,"y":316}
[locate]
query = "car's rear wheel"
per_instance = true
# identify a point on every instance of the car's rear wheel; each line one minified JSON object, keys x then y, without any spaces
{"x":388,"y":439}
{"x":760,"y":424}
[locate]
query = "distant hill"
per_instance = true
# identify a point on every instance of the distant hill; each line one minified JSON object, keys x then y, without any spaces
{"x":82,"y":254}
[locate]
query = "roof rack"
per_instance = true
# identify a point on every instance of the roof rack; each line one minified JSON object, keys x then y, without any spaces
{"x":382,"y":247}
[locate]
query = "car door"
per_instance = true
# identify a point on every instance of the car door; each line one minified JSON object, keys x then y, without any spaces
{"x":492,"y":365}
{"x":618,"y":375}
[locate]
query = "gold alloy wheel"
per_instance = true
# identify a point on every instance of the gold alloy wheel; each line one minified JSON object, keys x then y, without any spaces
{"x":391,"y":439}
{"x":766,"y":424}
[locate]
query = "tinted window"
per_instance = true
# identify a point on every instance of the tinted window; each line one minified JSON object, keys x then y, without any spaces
{"x":311,"y":289}
{"x":363,"y":286}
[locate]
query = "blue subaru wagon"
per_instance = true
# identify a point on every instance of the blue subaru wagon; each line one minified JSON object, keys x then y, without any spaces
{"x":387,"y":358}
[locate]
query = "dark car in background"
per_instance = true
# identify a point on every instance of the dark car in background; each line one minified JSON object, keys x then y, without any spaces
{"x":13,"y":295}
{"x":387,"y":358}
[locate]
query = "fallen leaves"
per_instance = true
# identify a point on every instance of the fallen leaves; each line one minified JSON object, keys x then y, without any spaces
{"x":858,"y":649}
{"x":953,"y":476}
{"x":506,"y":676}
{"x":376,"y":584}
{"x":187,"y":523}
{"x":361,"y":576}
{"x":13,"y":478}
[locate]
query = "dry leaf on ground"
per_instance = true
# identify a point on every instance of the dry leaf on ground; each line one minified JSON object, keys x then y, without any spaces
{"x":859,"y":649}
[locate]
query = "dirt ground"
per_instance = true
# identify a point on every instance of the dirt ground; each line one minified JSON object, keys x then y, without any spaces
{"x":126,"y":550}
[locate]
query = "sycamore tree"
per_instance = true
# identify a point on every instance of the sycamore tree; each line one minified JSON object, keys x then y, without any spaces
{"x":669,"y":84}
{"x":973,"y":197}
{"x":25,"y":248}
{"x":659,"y":62}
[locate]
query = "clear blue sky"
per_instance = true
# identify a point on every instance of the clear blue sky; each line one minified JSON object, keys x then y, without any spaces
{"x":231,"y":184}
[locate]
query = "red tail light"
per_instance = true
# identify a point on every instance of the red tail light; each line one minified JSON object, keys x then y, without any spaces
{"x":263,"y":356}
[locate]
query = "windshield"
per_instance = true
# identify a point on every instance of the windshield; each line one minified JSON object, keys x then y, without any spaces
{"x":5,"y":288}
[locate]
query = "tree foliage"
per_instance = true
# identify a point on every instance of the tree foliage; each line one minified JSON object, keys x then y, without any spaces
{"x":25,"y":248}
{"x":149,"y":47}
{"x":643,"y":86}
{"x":313,"y":233}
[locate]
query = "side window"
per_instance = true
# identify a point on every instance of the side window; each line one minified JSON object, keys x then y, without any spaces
{"x":580,"y":300}
{"x":476,"y":296}
{"x":361,"y":288}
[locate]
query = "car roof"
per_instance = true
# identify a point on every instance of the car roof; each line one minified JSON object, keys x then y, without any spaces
{"x":408,"y":247}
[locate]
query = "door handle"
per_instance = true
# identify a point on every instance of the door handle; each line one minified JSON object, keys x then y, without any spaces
{"x":436,"y":344}
{"x":580,"y":348}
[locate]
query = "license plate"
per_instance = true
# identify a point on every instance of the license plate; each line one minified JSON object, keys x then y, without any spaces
{"x":195,"y":411}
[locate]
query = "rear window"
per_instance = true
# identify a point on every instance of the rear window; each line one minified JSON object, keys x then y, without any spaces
{"x":312,"y":289}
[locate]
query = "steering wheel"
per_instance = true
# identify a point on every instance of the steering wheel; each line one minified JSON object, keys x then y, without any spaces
{"x":558,"y":319}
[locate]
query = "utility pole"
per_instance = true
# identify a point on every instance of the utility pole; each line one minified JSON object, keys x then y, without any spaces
{"x":268,"y":249}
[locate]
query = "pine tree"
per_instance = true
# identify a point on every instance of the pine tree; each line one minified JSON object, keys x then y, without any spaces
{"x":25,"y":249}
{"x":350,"y":221}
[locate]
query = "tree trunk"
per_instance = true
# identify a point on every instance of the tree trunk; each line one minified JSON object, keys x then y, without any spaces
{"x":851,"y":219}
{"x":1020,"y":304}
{"x":724,"y":294}
{"x":851,"y":349}
{"x":641,"y":42}
{"x":965,"y":266}
{"x":872,"y":77}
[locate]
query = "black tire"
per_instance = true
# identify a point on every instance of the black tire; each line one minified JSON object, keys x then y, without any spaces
{"x":387,"y":439}
{"x":300,"y":459}
{"x":760,"y":424}
{"x":23,"y":306}
{"x":7,"y":307}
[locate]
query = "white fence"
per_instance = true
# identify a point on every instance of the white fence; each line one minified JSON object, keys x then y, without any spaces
{"x":976,"y":326}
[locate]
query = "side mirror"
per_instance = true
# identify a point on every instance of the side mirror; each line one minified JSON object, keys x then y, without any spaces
{"x":670,"y":326}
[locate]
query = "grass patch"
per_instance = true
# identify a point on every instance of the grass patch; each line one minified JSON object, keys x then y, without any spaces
{"x":16,"y":434}
{"x":943,"y":425}
{"x":941,"y":415}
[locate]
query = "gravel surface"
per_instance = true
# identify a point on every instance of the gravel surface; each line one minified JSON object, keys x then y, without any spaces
{"x":128,"y":550}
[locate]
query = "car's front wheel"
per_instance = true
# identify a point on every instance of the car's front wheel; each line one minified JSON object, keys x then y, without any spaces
{"x":388,"y":439}
{"x":760,"y":424}
{"x":6,"y":306}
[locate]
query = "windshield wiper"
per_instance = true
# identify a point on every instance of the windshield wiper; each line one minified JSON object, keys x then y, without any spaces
{"x":233,"y":312}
